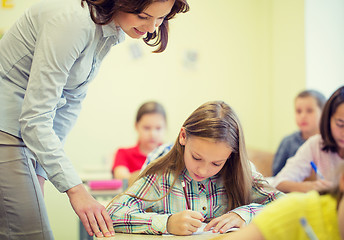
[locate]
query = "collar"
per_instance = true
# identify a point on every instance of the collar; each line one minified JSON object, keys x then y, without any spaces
{"x":111,"y":29}
{"x":188,"y":178}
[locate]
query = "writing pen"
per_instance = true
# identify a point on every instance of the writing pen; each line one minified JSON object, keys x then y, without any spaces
{"x":316,"y":170}
{"x":185,"y":195}
{"x":308,"y":229}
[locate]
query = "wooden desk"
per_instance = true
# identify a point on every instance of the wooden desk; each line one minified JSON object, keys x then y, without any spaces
{"x":125,"y":236}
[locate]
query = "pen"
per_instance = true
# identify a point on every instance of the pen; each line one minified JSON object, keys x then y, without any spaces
{"x":185,"y":195}
{"x":308,"y":229}
{"x":318,"y":173}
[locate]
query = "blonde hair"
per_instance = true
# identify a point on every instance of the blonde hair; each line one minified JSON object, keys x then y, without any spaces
{"x":216,"y":121}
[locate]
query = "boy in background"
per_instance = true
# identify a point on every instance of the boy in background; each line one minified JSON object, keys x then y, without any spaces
{"x":308,"y":108}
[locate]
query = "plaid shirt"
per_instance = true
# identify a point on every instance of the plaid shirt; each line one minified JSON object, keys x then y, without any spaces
{"x":207,"y":197}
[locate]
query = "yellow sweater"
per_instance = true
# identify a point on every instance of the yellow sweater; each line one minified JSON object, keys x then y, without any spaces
{"x":281,"y":219}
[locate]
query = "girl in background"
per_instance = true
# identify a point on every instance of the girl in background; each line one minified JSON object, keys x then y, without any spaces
{"x":209,"y":159}
{"x":47,"y":60}
{"x":325,"y":150}
{"x":308,"y":108}
{"x":150,"y":126}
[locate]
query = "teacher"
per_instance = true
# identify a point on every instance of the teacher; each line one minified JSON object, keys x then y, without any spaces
{"x":47,"y":60}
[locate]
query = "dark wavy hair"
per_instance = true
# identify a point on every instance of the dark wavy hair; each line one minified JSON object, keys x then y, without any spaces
{"x":103,"y":11}
{"x":330,"y":108}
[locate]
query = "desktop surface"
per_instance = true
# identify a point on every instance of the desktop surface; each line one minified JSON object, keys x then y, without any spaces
{"x":127,"y":236}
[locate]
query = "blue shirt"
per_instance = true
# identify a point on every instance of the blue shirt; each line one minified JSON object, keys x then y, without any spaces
{"x":47,"y":60}
{"x":156,"y":153}
{"x":287,"y":148}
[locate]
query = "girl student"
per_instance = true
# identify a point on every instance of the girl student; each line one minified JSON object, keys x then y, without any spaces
{"x":209,"y":159}
{"x":300,"y":216}
{"x":308,"y":108}
{"x":47,"y":60}
{"x":324,"y":151}
{"x":150,"y":125}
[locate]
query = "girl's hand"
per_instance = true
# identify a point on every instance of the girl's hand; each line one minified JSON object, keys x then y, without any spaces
{"x":184,"y":223}
{"x":225,"y":222}
{"x":317,"y":185}
{"x":91,"y":213}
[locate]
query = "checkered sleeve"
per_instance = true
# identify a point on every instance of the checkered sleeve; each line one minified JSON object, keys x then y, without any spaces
{"x":262,"y":194}
{"x":129,"y":214}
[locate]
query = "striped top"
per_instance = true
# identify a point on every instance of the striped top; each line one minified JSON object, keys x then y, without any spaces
{"x":207,"y":197}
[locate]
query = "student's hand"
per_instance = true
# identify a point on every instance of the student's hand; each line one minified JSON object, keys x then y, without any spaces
{"x":184,"y":223}
{"x":317,"y":185}
{"x":91,"y":213}
{"x":306,"y":186}
{"x":225,"y":222}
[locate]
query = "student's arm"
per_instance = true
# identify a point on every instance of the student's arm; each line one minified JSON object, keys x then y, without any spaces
{"x":184,"y":223}
{"x":281,"y":219}
{"x":121,"y":172}
{"x":297,"y":167}
{"x":306,"y":186}
{"x":128,"y":213}
{"x":262,"y":194}
{"x":133,"y":177}
{"x":251,"y":232}
{"x":226,"y":221}
{"x":120,"y":167}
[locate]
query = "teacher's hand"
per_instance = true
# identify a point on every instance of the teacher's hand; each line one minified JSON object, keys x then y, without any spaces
{"x":91,"y":213}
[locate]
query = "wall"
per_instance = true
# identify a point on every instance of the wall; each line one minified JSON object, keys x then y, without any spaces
{"x":249,"y":53}
{"x":324,"y":37}
{"x":287,"y":67}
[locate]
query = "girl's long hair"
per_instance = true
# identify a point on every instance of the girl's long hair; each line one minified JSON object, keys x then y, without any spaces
{"x":103,"y":11}
{"x":217,"y":122}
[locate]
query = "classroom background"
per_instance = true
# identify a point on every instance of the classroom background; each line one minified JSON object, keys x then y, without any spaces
{"x":256,"y":55}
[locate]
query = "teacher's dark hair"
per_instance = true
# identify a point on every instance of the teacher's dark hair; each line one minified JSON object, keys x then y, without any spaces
{"x":103,"y":11}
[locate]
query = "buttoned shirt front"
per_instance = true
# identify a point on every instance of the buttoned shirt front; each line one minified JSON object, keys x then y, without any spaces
{"x":47,"y":60}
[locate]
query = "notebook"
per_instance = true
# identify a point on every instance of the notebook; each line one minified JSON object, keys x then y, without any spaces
{"x":200,"y":230}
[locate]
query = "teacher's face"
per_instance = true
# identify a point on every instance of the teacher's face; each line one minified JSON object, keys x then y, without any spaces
{"x":137,"y":25}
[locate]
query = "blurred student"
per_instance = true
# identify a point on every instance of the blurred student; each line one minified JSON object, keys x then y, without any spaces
{"x":325,"y":151}
{"x":206,"y":176}
{"x":299,"y":216}
{"x":150,"y":126}
{"x":308,"y":108}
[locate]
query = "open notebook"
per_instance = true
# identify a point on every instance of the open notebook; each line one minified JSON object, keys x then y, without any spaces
{"x":200,"y":230}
